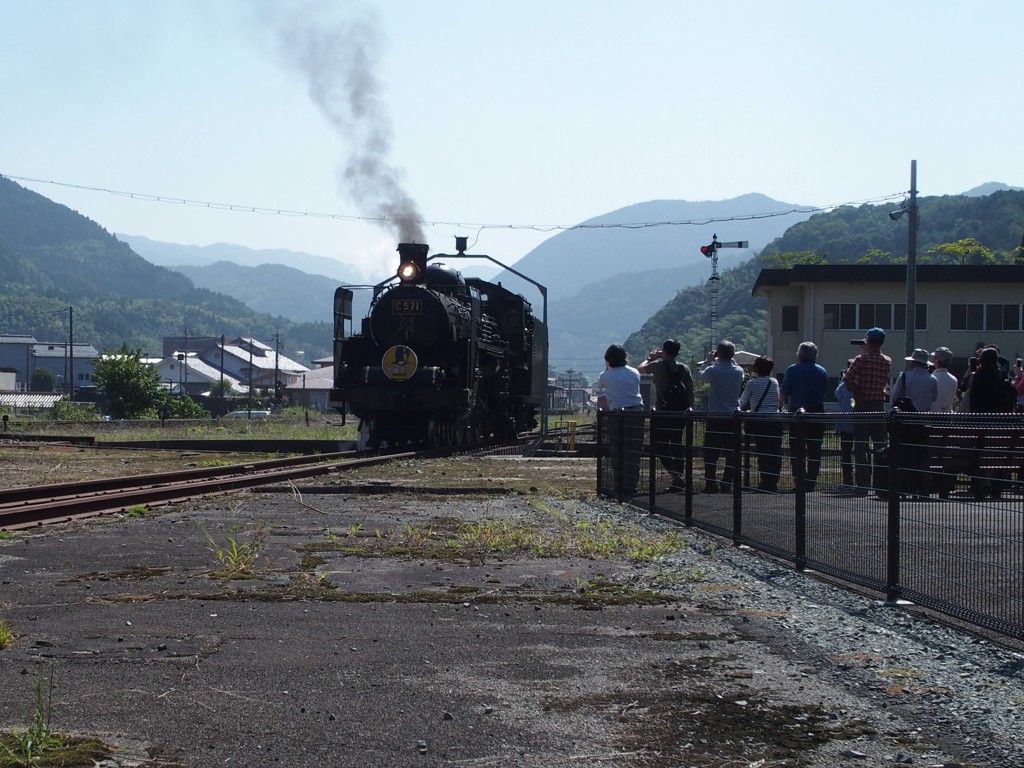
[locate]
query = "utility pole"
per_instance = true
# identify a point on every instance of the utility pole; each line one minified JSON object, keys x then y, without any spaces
{"x":277,"y":358}
{"x":912,"y":260}
{"x":909,"y":207}
{"x":71,"y":358}
{"x":222,"y":374}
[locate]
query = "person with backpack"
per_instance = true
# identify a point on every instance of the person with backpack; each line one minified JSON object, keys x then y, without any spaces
{"x":915,"y":389}
{"x":674,"y":386}
{"x":761,"y":395}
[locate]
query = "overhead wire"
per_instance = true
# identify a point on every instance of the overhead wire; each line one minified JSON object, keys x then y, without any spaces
{"x":479,"y":227}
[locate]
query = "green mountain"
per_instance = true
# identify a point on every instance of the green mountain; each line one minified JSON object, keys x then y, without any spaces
{"x":272,"y":288}
{"x":52,"y":257}
{"x":974,"y":229}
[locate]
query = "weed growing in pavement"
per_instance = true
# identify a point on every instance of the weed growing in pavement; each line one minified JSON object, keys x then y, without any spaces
{"x":6,"y":535}
{"x":416,"y":537}
{"x":37,"y":744}
{"x":476,"y":538}
{"x":6,"y":633}
{"x":352,"y":532}
{"x":236,"y":554}
{"x":137,"y":511}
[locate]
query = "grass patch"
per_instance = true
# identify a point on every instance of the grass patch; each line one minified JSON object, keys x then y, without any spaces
{"x":6,"y":633}
{"x":6,"y":535}
{"x":475,"y":539}
{"x":237,"y":554}
{"x":38,"y":745}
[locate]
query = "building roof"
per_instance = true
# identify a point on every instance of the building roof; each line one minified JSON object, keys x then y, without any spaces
{"x":263,"y":357}
{"x":28,"y":399}
{"x":59,"y":349}
{"x":15,"y":338}
{"x":887,"y":273}
{"x":318,"y":378}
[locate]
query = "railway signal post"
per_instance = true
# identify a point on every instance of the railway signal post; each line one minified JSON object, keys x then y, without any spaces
{"x":711,"y":252}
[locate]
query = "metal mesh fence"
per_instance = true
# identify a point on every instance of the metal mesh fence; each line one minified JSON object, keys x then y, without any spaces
{"x":918,"y":506}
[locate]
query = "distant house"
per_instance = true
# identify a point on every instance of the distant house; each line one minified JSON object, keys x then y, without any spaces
{"x":957,"y":306}
{"x":70,"y":364}
{"x":75,"y":364}
{"x":311,"y":389}
{"x":186,"y":373}
{"x":252,"y":362}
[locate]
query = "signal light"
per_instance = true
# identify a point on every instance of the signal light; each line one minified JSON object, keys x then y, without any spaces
{"x":708,"y":250}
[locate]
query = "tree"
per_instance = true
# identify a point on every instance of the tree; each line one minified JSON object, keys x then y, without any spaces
{"x":182,"y":408}
{"x":963,"y":252}
{"x":131,"y":387}
{"x":43,"y":380}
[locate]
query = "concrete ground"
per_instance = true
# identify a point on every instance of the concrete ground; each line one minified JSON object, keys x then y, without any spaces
{"x":363,"y":639}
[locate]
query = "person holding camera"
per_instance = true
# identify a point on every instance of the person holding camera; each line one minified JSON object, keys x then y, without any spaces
{"x":724,"y":379}
{"x":866,"y":378}
{"x":761,"y":395}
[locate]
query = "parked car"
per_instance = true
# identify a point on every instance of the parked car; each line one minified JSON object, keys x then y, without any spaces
{"x":247,"y":415}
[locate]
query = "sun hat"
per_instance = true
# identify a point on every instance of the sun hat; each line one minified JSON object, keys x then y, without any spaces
{"x":920,"y":356}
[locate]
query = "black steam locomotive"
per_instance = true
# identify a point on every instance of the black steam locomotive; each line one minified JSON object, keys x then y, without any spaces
{"x":440,"y":359}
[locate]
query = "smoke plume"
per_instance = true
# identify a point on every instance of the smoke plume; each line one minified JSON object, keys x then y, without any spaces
{"x":337,"y":59}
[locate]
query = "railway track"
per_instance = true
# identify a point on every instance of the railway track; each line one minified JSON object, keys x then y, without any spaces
{"x":38,"y":504}
{"x":29,"y":506}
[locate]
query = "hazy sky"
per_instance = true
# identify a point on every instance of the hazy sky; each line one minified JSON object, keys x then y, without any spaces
{"x":499,"y":113}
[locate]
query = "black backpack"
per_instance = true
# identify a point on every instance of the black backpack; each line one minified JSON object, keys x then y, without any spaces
{"x":677,"y":396}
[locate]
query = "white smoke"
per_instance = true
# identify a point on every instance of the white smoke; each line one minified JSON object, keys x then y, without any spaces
{"x":338,"y":59}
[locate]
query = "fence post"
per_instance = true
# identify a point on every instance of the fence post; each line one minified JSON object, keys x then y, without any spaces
{"x":892,"y":523}
{"x":689,"y":420}
{"x":798,"y":448}
{"x":652,"y":458}
{"x":737,"y":478}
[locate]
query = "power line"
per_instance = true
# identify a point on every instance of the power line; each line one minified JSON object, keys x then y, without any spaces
{"x":271,"y":211}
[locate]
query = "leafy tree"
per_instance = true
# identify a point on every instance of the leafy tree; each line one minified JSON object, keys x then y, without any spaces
{"x":183,"y":408}
{"x":43,"y":380}
{"x":131,"y":387}
{"x":964,"y":252}
{"x":65,"y":410}
{"x":215,"y":388}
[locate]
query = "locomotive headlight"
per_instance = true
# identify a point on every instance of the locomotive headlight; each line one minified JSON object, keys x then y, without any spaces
{"x":408,"y":272}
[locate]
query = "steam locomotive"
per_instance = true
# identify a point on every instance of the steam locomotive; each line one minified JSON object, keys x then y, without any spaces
{"x":440,"y":360}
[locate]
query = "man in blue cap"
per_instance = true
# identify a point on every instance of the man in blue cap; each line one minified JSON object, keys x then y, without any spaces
{"x":866,"y":378}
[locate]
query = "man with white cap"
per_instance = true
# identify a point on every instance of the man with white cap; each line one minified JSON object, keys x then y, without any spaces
{"x":916,"y":382}
{"x":946,"y":381}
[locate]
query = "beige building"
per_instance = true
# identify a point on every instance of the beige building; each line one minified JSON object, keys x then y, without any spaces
{"x":957,"y":306}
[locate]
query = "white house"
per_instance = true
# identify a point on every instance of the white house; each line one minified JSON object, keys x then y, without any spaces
{"x":831,"y":305}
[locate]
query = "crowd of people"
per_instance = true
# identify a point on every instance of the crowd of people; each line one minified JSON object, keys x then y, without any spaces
{"x":926,"y":384}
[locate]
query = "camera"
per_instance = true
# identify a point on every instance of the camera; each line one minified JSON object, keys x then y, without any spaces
{"x":857,"y":342}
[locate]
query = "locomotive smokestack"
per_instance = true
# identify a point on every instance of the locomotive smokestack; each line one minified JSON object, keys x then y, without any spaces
{"x":416,"y":255}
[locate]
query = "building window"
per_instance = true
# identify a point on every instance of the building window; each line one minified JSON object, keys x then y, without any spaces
{"x":860,"y":317}
{"x":899,"y":321}
{"x":791,"y":319}
{"x":984,"y":317}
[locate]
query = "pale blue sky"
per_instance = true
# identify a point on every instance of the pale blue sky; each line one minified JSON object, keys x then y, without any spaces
{"x":501,"y":113}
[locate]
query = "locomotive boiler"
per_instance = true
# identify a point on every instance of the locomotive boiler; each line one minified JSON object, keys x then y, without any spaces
{"x":439,"y":359}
